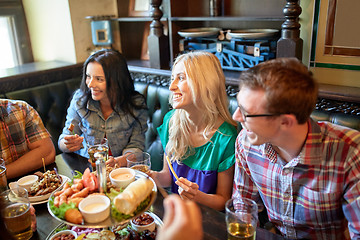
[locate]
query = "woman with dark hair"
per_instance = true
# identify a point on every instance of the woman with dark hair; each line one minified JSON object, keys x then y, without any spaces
{"x":106,"y":105}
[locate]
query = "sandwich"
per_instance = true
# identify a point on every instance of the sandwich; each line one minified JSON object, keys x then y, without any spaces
{"x":135,"y":193}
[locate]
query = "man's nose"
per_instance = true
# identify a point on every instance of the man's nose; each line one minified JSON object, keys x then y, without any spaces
{"x":237,"y":116}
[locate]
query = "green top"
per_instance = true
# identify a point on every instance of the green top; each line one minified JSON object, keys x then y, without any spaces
{"x":203,"y":166}
{"x":216,"y":155}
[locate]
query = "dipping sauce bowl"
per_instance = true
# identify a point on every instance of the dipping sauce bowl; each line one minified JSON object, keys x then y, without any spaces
{"x":95,"y":208}
{"x":144,"y":222}
{"x":63,"y":233}
{"x":27,"y":181}
{"x":122,"y":177}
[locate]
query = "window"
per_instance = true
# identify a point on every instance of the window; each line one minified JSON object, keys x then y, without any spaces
{"x":15,"y":40}
{"x":8,"y":43}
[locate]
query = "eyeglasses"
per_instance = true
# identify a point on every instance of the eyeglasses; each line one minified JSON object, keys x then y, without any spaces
{"x":244,"y":116}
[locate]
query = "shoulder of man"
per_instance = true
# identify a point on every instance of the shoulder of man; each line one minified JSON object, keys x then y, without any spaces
{"x":335,"y":131}
{"x":9,"y":105}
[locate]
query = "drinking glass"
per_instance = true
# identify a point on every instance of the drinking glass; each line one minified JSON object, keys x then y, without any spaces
{"x":99,"y":146}
{"x":241,"y":218}
{"x":16,"y":213}
{"x":3,"y":179}
{"x":139,"y":161}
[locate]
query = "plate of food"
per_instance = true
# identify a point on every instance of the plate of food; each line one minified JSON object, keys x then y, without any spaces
{"x":199,"y":32}
{"x":46,"y":183}
{"x":253,"y":33}
{"x":80,"y":204}
{"x":121,"y":232}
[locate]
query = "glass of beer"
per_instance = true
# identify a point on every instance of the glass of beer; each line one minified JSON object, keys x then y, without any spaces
{"x":16,"y":213}
{"x":3,"y":180}
{"x":140,"y":161}
{"x":100,"y":146}
{"x":241,"y":218}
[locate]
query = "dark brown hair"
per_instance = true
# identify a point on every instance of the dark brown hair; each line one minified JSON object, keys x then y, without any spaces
{"x":119,"y":84}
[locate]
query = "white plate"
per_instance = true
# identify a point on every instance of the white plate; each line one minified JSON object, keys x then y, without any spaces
{"x":253,"y":33}
{"x":199,"y":32}
{"x":42,"y":198}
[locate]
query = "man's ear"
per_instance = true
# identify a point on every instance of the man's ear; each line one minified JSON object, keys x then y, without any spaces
{"x":288,"y":120}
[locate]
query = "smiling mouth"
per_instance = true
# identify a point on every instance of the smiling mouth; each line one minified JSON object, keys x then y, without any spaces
{"x":176,"y":96}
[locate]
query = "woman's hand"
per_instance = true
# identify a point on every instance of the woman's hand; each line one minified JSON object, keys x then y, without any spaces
{"x":119,"y":161}
{"x":111,"y":161}
{"x":182,"y":220}
{"x":152,"y":174}
{"x":187,"y":190}
{"x":73,"y":142}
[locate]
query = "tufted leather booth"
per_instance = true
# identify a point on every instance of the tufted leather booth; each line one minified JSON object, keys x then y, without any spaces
{"x":157,"y":99}
{"x":51,"y":101}
{"x":343,"y":119}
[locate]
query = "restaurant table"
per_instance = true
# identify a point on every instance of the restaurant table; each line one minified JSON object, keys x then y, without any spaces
{"x":213,"y":221}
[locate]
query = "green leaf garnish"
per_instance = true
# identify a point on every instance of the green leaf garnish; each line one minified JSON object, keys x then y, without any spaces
{"x":60,"y":211}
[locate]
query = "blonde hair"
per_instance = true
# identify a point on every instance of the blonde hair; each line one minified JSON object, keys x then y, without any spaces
{"x":206,"y":81}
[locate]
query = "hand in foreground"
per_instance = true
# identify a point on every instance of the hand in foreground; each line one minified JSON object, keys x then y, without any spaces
{"x":182,"y":220}
{"x":33,"y":218}
{"x":73,"y":142}
{"x":187,"y":190}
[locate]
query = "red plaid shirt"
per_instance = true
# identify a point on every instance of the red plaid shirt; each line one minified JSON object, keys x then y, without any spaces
{"x":314,"y":196}
{"x":20,"y":124}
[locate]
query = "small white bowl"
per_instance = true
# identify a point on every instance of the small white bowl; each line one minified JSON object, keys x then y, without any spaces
{"x":122,"y":177}
{"x":27,"y":181}
{"x":66,"y":232}
{"x":95,"y":208}
{"x":140,"y":227}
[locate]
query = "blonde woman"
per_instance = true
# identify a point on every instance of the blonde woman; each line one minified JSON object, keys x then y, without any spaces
{"x":198,"y":135}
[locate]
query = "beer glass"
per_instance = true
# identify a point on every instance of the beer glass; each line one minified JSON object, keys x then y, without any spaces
{"x":16,"y":213}
{"x":3,"y":180}
{"x":139,"y":161}
{"x":98,"y":146}
{"x":241,"y":218}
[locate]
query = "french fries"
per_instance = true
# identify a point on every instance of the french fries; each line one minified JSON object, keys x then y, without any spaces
{"x":47,"y":183}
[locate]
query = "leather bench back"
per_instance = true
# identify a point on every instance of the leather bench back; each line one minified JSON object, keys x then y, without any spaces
{"x":51,"y":102}
{"x":157,"y":99}
{"x":347,"y":120}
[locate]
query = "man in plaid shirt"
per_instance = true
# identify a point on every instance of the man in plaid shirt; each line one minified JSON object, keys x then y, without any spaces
{"x":24,"y":141}
{"x":306,"y":174}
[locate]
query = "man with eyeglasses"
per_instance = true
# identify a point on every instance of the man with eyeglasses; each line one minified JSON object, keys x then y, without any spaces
{"x":305,"y":173}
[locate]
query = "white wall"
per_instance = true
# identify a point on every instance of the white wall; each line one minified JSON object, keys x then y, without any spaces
{"x":79,"y":9}
{"x":331,"y":76}
{"x":50,"y":30}
{"x":59,"y":31}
